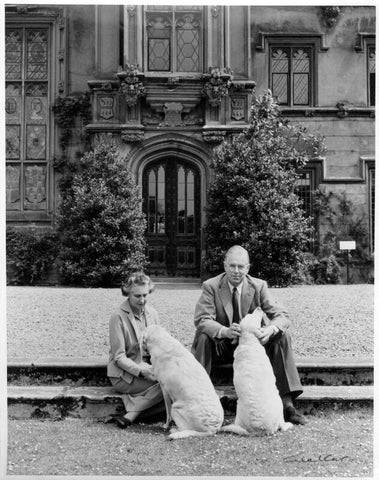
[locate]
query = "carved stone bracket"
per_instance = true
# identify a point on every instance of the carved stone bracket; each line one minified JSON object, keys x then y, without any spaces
{"x":217,"y":84}
{"x":214,"y":136}
{"x":132,"y":135}
{"x":131,"y":85}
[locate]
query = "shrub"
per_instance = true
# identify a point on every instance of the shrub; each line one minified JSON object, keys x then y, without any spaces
{"x":100,"y":221}
{"x":30,"y":254}
{"x":252,"y":201}
{"x":342,"y":222}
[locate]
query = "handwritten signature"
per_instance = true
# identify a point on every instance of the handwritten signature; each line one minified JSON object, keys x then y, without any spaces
{"x":320,"y":458}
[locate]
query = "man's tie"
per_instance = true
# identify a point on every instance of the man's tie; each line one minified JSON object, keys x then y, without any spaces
{"x":236,"y":312}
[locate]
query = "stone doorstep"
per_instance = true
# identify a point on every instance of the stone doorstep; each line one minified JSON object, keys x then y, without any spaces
{"x":99,"y":394}
{"x":56,"y":403}
{"x":312,"y":371}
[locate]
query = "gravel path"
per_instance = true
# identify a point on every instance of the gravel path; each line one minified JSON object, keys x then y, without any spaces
{"x":328,"y":321}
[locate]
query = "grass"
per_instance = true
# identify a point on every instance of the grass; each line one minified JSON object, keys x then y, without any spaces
{"x":327,"y":320}
{"x":332,"y":444}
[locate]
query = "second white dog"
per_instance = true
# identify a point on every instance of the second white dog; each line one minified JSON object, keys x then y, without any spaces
{"x":259,"y":406}
{"x":190,"y":398}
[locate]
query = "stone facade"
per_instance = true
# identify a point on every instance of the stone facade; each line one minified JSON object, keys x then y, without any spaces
{"x":170,"y":83}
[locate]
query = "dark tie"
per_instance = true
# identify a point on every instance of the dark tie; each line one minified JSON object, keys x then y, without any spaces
{"x":236,"y":313}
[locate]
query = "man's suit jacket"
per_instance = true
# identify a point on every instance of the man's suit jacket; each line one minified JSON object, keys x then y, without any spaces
{"x":125,"y":352}
{"x":214,"y":307}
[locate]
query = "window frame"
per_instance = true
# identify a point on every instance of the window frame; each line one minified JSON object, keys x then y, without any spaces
{"x":315,"y":168}
{"x":172,"y":71}
{"x":23,"y":159}
{"x":318,"y":43}
{"x":290,"y":85}
{"x":370,"y":46}
{"x":53,"y":19}
{"x":370,"y":175}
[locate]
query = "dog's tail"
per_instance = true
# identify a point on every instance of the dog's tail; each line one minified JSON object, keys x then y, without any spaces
{"x":175,"y":435}
{"x":233,"y":428}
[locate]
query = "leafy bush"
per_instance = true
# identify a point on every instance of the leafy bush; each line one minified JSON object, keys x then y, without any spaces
{"x":30,"y":254}
{"x":342,"y":222}
{"x":100,"y":221}
{"x":252,"y":201}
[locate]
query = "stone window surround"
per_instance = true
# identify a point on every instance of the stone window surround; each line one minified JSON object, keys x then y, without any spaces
{"x":317,"y":42}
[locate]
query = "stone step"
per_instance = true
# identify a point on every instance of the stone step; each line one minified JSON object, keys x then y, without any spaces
{"x":55,"y":402}
{"x":92,"y":371}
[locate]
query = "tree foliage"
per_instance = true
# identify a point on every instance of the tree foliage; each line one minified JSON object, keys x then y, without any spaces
{"x":253,"y":200}
{"x":100,"y":221}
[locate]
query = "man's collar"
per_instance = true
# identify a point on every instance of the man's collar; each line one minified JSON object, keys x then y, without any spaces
{"x":239,"y":287}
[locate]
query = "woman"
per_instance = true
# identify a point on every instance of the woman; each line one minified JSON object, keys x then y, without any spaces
{"x":128,"y":368}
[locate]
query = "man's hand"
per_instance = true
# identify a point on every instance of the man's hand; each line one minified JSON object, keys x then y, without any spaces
{"x":265,"y":333}
{"x":234,"y":331}
{"x":148,"y":373}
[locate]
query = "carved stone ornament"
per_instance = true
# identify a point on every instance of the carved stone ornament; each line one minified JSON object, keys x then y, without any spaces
{"x":172,"y":83}
{"x":217,"y":84}
{"x":343,"y":110}
{"x":173,"y":115}
{"x":106,"y":107}
{"x":131,"y":86}
{"x":214,"y":136}
{"x":21,"y":10}
{"x":132,"y":136}
{"x":330,"y":15}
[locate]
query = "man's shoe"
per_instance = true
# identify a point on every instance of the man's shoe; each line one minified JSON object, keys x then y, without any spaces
{"x":229,"y":404}
{"x":293,"y":416}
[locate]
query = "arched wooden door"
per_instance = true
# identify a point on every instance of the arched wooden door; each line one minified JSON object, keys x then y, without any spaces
{"x":171,"y":202}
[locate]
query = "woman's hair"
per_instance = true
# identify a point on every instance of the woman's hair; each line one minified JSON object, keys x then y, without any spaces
{"x":136,"y":278}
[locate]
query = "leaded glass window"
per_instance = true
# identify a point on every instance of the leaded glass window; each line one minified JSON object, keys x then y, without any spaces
{"x":305,"y":187}
{"x":174,"y":38}
{"x":371,"y":75}
{"x":186,"y":201}
{"x":291,"y":75}
{"x":27,"y":118}
{"x":156,"y":201}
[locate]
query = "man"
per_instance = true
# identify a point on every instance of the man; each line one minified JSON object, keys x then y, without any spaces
{"x":224,"y":301}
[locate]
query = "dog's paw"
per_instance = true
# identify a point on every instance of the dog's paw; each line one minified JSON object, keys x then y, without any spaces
{"x":169,"y":424}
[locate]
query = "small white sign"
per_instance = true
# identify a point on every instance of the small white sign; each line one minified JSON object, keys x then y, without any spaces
{"x":348,"y":245}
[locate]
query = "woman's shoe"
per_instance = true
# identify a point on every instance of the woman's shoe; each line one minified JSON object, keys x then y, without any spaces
{"x":122,"y":422}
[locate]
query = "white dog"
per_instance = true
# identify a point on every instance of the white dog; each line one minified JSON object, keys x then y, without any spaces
{"x":190,"y":398}
{"x":259,"y":406}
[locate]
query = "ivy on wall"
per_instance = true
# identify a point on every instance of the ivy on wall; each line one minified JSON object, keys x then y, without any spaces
{"x":67,"y":110}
